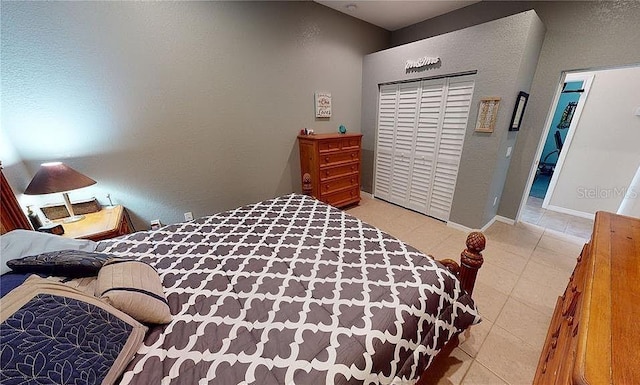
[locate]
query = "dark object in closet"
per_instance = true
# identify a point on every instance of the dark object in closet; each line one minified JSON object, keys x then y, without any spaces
{"x":567,"y":115}
{"x":545,"y":168}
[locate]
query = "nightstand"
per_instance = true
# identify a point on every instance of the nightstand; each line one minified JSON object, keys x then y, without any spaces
{"x":104,"y":224}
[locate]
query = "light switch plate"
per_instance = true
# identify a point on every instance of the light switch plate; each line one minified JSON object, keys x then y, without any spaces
{"x":638,"y":111}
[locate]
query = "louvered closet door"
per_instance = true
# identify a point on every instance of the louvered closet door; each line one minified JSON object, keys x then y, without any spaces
{"x":421,"y":129}
{"x":403,"y":141}
{"x":457,"y":103}
{"x":387,"y":106}
{"x":429,"y":116}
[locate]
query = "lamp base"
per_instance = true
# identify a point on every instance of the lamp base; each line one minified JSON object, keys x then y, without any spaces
{"x":74,"y":218}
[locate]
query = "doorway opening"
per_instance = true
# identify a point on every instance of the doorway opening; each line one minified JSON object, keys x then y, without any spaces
{"x":562,"y":117}
{"x":560,"y":127}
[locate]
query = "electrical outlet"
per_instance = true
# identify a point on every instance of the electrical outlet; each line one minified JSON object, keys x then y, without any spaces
{"x":188,"y":216}
{"x":155,"y":224}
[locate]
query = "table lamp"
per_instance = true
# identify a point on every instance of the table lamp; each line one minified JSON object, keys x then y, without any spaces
{"x":56,"y":177}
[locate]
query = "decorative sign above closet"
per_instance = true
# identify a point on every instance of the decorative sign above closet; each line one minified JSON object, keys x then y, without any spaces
{"x":421,"y":62}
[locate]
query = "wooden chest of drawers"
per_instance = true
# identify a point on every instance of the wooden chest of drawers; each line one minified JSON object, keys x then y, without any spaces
{"x":330,"y":167}
{"x":593,"y":337}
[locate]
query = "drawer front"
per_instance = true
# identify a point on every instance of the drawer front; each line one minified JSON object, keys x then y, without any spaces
{"x":351,"y":143}
{"x":329,"y":145}
{"x":333,"y":185}
{"x":334,"y":172}
{"x":342,"y":198}
{"x":337,"y":144}
{"x":339,"y":157}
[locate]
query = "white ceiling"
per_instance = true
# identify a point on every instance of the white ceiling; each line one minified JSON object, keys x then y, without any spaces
{"x":395,"y":14}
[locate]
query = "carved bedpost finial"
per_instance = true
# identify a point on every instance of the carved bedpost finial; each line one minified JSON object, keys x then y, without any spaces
{"x":472,"y":260}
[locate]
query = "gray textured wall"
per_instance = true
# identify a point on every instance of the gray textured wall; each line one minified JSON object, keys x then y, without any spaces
{"x":580,"y":35}
{"x":503,"y":53}
{"x":175,"y":107}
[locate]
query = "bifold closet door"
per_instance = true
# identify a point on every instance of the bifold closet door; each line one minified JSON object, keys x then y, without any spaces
{"x":425,"y":149}
{"x":421,"y":128}
{"x":456,"y":106}
{"x":396,"y":129}
{"x":387,"y":105}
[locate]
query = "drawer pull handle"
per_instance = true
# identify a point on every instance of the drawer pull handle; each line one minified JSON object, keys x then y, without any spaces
{"x":353,"y":155}
{"x":326,"y":159}
{"x":326,"y":173}
{"x":353,"y":168}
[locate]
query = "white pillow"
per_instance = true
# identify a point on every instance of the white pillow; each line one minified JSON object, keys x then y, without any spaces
{"x":21,"y":243}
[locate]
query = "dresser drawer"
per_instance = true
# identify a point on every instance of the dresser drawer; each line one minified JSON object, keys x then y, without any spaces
{"x":337,"y":171}
{"x":329,"y":145}
{"x":343,"y":197}
{"x":333,"y":185}
{"x":348,"y":143}
{"x":338,"y":157}
{"x":351,"y":143}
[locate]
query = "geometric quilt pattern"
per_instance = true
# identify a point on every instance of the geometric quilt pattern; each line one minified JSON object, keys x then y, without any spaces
{"x":292,"y":291}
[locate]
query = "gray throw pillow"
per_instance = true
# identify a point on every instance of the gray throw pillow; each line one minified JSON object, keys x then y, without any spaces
{"x":21,"y":243}
{"x":65,"y":263}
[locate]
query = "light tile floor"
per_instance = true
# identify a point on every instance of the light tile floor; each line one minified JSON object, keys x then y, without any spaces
{"x":526,"y":268}
{"x":534,"y":213}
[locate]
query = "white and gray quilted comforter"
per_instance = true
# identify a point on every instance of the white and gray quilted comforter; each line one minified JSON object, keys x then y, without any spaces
{"x":292,"y":291}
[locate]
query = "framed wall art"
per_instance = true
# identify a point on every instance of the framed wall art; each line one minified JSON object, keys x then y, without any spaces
{"x":487,"y":114}
{"x":323,"y":104}
{"x":518,"y":111}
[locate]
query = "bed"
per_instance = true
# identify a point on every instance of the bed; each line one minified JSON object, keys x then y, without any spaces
{"x":293,"y":291}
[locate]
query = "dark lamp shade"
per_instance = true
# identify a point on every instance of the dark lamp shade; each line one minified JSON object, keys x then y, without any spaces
{"x":57,"y":177}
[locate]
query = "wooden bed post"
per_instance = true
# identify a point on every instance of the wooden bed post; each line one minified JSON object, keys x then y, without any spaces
{"x":471,"y":260}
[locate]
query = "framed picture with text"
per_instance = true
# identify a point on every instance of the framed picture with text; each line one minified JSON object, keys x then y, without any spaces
{"x":323,"y":104}
{"x":518,"y":111}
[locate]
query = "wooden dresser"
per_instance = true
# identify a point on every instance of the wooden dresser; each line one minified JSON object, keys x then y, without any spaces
{"x":593,"y":337}
{"x":330,"y":167}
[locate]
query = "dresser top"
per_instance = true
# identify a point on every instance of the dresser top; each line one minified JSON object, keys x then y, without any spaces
{"x":329,"y":136}
{"x":608,"y":348}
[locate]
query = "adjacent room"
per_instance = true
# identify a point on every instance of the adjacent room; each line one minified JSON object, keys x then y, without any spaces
{"x":319,"y":192}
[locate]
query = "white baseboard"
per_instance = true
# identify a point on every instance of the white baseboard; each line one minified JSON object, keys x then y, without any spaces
{"x":509,"y":221}
{"x":458,"y":226}
{"x":497,"y":218}
{"x":575,"y":213}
